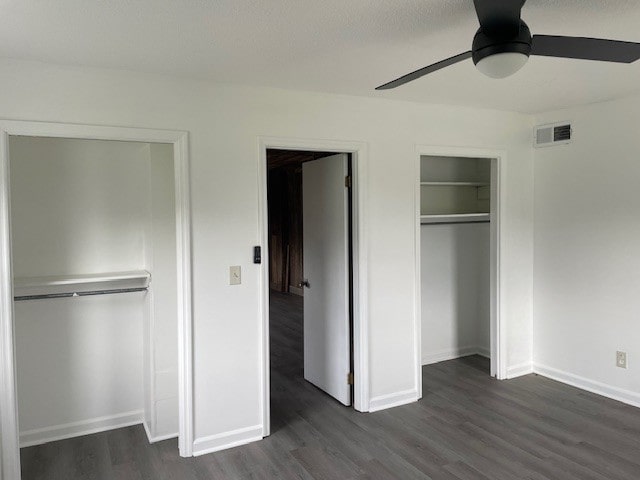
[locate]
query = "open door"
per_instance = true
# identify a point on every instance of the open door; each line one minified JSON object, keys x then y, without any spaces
{"x":327,"y":347}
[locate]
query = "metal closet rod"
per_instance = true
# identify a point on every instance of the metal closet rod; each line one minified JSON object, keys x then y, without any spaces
{"x":79,"y":294}
{"x":456,"y":223}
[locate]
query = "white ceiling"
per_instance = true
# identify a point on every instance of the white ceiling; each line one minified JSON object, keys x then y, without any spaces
{"x":339,"y":46}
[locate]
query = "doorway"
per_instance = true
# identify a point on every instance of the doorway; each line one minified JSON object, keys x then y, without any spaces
{"x":172,"y":147}
{"x":95,"y":287}
{"x":310,"y":273}
{"x":458,"y":238}
{"x":283,"y":284}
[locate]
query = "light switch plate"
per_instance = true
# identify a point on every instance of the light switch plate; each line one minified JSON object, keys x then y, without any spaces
{"x":235,"y":275}
{"x":621,"y":359}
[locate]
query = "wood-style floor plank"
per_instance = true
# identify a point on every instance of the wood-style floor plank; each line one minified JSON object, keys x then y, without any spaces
{"x":468,"y":426}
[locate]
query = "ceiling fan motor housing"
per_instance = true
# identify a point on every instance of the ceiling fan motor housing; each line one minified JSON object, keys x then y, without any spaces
{"x":486,"y":45}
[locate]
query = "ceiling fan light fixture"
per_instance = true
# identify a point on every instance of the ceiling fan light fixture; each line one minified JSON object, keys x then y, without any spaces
{"x":502,"y":65}
{"x":501,"y":56}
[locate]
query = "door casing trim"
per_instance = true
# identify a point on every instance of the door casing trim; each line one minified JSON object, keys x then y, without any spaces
{"x":358,"y":151}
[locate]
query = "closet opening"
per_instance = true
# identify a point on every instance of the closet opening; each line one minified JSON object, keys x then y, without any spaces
{"x":96,"y":289}
{"x":310,"y":269}
{"x":458,"y":259}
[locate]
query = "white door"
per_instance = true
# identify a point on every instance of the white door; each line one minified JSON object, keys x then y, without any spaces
{"x":326,"y":272}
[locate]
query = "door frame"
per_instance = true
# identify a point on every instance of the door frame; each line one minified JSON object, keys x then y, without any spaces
{"x":498,"y":347}
{"x":9,"y":432}
{"x":358,"y":151}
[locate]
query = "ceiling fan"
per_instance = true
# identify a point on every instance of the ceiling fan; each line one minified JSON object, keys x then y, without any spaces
{"x":503,"y":43}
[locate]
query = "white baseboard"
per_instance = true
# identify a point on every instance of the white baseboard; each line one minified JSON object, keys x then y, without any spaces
{"x":519,"y":370}
{"x":158,"y":438}
{"x":222,"y":441}
{"x":444,"y":355}
{"x":39,"y":436}
{"x":396,"y":399}
{"x":615,"y":393}
{"x":147,"y":430}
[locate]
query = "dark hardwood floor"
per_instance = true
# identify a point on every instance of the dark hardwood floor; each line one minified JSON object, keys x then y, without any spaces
{"x":467,"y":426}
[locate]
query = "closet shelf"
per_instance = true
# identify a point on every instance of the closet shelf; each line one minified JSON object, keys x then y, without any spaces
{"x":454,"y":184}
{"x":455,"y":218}
{"x":60,"y":285}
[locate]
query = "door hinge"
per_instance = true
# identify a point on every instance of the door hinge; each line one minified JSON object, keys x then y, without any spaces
{"x":350,"y":378}
{"x":347,"y":181}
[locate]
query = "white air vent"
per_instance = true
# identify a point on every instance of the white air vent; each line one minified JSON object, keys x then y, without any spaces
{"x":553,"y":134}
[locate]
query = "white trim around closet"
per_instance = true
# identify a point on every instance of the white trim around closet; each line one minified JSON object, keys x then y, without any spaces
{"x":9,"y":435}
{"x":498,"y":329}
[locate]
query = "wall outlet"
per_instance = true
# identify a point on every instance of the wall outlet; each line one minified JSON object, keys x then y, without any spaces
{"x":621,"y":359}
{"x":235,"y":275}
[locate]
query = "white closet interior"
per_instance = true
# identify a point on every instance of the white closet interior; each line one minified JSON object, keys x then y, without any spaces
{"x":95,"y":283}
{"x":455,"y":206}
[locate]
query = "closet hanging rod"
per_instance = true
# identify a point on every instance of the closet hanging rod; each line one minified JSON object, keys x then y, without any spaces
{"x":454,"y":223}
{"x":78,"y":294}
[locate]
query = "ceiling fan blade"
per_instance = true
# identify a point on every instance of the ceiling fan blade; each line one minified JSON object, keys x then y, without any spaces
{"x":424,"y":71}
{"x":585,"y":48}
{"x":499,"y":18}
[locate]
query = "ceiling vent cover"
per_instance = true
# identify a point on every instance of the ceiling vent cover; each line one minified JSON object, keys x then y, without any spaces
{"x":553,"y":134}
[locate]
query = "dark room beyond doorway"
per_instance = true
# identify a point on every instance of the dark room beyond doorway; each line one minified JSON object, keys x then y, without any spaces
{"x":285,"y":217}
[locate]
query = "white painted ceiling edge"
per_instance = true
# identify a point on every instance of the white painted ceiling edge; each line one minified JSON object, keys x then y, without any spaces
{"x":330,"y":46}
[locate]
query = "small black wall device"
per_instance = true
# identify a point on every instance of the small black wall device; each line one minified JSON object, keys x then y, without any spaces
{"x":257,"y":256}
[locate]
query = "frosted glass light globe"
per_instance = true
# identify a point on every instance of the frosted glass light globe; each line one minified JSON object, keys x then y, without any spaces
{"x":502,"y":65}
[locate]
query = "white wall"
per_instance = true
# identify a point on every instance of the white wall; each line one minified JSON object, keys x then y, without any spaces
{"x":587,"y":250}
{"x":78,"y":360}
{"x":78,"y":207}
{"x":161,"y":258}
{"x":224,"y":123}
{"x":455,"y":272}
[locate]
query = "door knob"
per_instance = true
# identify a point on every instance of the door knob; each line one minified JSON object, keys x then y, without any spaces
{"x":304,"y":283}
